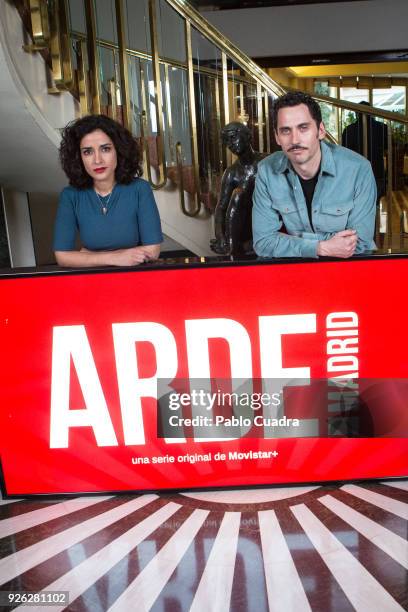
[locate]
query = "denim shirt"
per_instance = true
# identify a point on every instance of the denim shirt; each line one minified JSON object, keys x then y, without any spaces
{"x":344,"y":198}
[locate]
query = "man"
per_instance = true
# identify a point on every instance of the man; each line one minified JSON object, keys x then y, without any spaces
{"x":323,"y":194}
{"x":377,"y":143}
{"x":233,"y":212}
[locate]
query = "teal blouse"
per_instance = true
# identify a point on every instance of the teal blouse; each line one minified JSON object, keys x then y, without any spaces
{"x":131,"y":218}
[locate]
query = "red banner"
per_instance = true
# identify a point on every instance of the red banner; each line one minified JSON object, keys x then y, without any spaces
{"x":82,"y":354}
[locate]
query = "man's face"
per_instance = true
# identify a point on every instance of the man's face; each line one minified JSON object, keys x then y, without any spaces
{"x":298,"y":134}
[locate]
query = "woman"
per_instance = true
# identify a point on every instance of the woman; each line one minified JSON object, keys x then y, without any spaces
{"x":113,"y":210}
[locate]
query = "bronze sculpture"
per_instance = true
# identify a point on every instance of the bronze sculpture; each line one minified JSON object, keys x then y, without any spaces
{"x":233,"y":225}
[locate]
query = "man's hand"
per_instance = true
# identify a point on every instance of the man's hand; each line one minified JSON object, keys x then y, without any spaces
{"x":343,"y":244}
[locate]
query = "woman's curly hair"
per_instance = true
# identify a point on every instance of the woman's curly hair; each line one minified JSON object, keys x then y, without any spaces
{"x":127,"y":150}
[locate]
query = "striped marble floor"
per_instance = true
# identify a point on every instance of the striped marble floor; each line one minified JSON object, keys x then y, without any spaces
{"x":331,"y":548}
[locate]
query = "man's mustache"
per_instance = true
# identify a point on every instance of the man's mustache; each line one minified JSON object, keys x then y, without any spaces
{"x":297,"y":148}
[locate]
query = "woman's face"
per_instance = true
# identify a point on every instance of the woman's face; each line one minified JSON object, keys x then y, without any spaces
{"x":98,"y":155}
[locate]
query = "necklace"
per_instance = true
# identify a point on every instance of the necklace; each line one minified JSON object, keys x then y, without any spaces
{"x":104,"y":204}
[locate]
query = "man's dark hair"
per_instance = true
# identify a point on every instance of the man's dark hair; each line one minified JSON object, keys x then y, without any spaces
{"x":127,"y":150}
{"x":294,"y":98}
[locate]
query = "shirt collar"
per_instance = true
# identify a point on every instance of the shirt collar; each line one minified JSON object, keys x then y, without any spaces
{"x":327,"y":164}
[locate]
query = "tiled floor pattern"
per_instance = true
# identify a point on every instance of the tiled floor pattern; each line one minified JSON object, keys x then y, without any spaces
{"x":332,"y":548}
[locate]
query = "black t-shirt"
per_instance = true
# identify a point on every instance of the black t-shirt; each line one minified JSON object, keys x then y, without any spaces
{"x":308,"y":187}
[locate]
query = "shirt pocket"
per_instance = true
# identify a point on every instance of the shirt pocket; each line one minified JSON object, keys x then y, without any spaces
{"x":290,"y":215}
{"x":334,"y":218}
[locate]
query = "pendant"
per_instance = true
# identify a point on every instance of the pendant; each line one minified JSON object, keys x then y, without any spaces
{"x":104,"y":210}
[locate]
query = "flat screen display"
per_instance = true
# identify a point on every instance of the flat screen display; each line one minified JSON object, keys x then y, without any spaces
{"x":204,"y":377}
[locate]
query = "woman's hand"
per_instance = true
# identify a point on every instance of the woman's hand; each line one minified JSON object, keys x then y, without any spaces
{"x":121,"y":257}
{"x":136,"y":255}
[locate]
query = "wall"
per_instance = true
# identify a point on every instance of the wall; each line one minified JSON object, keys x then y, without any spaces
{"x":194,"y":233}
{"x":18,"y":224}
{"x":318,"y":28}
{"x":283,"y":76}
